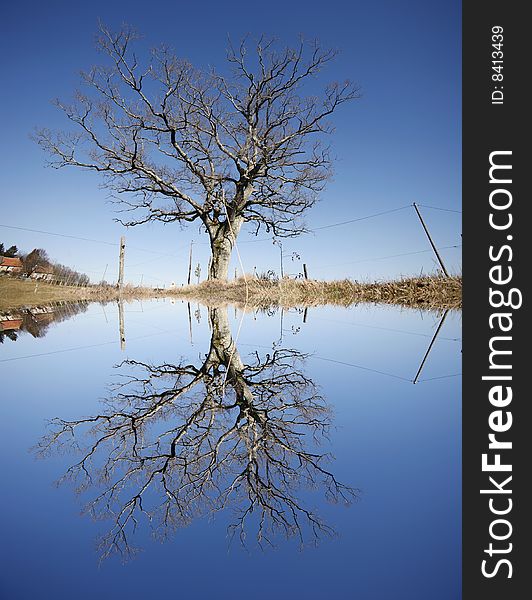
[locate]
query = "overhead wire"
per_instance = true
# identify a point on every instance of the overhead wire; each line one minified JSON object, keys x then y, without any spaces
{"x":451,"y":210}
{"x":353,"y":262}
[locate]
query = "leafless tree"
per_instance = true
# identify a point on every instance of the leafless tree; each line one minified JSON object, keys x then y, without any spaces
{"x":177,"y":144}
{"x":180,"y":441}
{"x":37,"y":258}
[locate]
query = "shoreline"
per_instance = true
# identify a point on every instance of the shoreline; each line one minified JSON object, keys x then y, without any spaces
{"x":427,"y":292}
{"x":18,"y":293}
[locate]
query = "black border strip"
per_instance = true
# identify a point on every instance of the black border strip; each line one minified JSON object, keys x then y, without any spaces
{"x":490,"y":127}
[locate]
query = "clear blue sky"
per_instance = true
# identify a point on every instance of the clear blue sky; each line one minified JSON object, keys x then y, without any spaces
{"x":401,"y":142}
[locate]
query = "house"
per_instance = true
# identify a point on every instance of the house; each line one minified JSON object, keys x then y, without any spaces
{"x":10,"y":324}
{"x":10,"y":265}
{"x":42,"y":274}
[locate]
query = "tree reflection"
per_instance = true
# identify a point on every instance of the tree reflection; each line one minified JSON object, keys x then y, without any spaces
{"x":176,"y":442}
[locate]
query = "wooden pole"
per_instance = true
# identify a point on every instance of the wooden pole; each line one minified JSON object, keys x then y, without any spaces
{"x":190,"y":263}
{"x":305,"y":271}
{"x":121,"y":262}
{"x":430,"y":240}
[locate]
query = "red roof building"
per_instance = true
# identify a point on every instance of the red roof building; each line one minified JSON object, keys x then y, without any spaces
{"x":10,"y":265}
{"x":11,"y":325}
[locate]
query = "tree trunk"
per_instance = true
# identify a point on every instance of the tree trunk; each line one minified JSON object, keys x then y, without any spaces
{"x":222,"y":241}
{"x":224,"y":349}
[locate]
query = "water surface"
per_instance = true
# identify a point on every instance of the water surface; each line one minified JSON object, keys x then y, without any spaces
{"x":223,"y":454}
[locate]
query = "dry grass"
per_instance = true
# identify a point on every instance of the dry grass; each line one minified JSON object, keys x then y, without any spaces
{"x":431,"y":292}
{"x":19,"y":292}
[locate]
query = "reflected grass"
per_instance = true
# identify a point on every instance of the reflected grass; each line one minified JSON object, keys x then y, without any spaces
{"x":428,"y":292}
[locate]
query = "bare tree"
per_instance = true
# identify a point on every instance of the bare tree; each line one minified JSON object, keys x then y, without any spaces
{"x":176,"y":144}
{"x":180,"y":441}
{"x":37,"y":258}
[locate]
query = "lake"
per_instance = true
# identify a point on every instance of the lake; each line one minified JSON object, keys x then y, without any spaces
{"x":229,"y":454}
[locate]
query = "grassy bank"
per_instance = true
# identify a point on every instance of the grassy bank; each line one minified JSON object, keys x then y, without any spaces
{"x":433,"y":292}
{"x":20,"y":292}
{"x":418,"y":292}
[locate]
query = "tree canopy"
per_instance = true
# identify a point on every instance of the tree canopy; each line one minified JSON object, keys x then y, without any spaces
{"x":10,"y":252}
{"x":180,"y":144}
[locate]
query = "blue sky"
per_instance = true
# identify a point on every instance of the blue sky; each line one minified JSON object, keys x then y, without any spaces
{"x":399,"y":143}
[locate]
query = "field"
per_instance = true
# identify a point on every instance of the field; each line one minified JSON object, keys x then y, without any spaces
{"x":20,"y":292}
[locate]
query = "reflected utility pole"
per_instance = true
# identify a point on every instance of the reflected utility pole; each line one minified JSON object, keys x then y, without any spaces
{"x":121,"y":324}
{"x":120,"y":287}
{"x":190,"y":323}
{"x":430,"y":346}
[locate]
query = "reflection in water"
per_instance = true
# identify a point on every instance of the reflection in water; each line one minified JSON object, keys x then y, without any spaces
{"x":36,"y":320}
{"x":179,"y":441}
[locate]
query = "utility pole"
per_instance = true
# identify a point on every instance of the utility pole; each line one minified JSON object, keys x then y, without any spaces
{"x":305,"y":273}
{"x":277,"y":242}
{"x":104,"y":272}
{"x":190,"y":263}
{"x":430,"y":240}
{"x":121,"y":262}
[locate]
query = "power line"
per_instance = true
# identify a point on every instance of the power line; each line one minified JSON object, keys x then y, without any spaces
{"x":64,"y":235}
{"x":84,"y":239}
{"x":385,"y":212}
{"x":353,"y":262}
{"x":416,"y":333}
{"x":341,"y":362}
{"x":439,"y":208}
{"x":314,"y":229}
{"x":150,"y":260}
{"x":440,"y":377}
{"x":81,"y":347}
{"x":265,"y":239}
